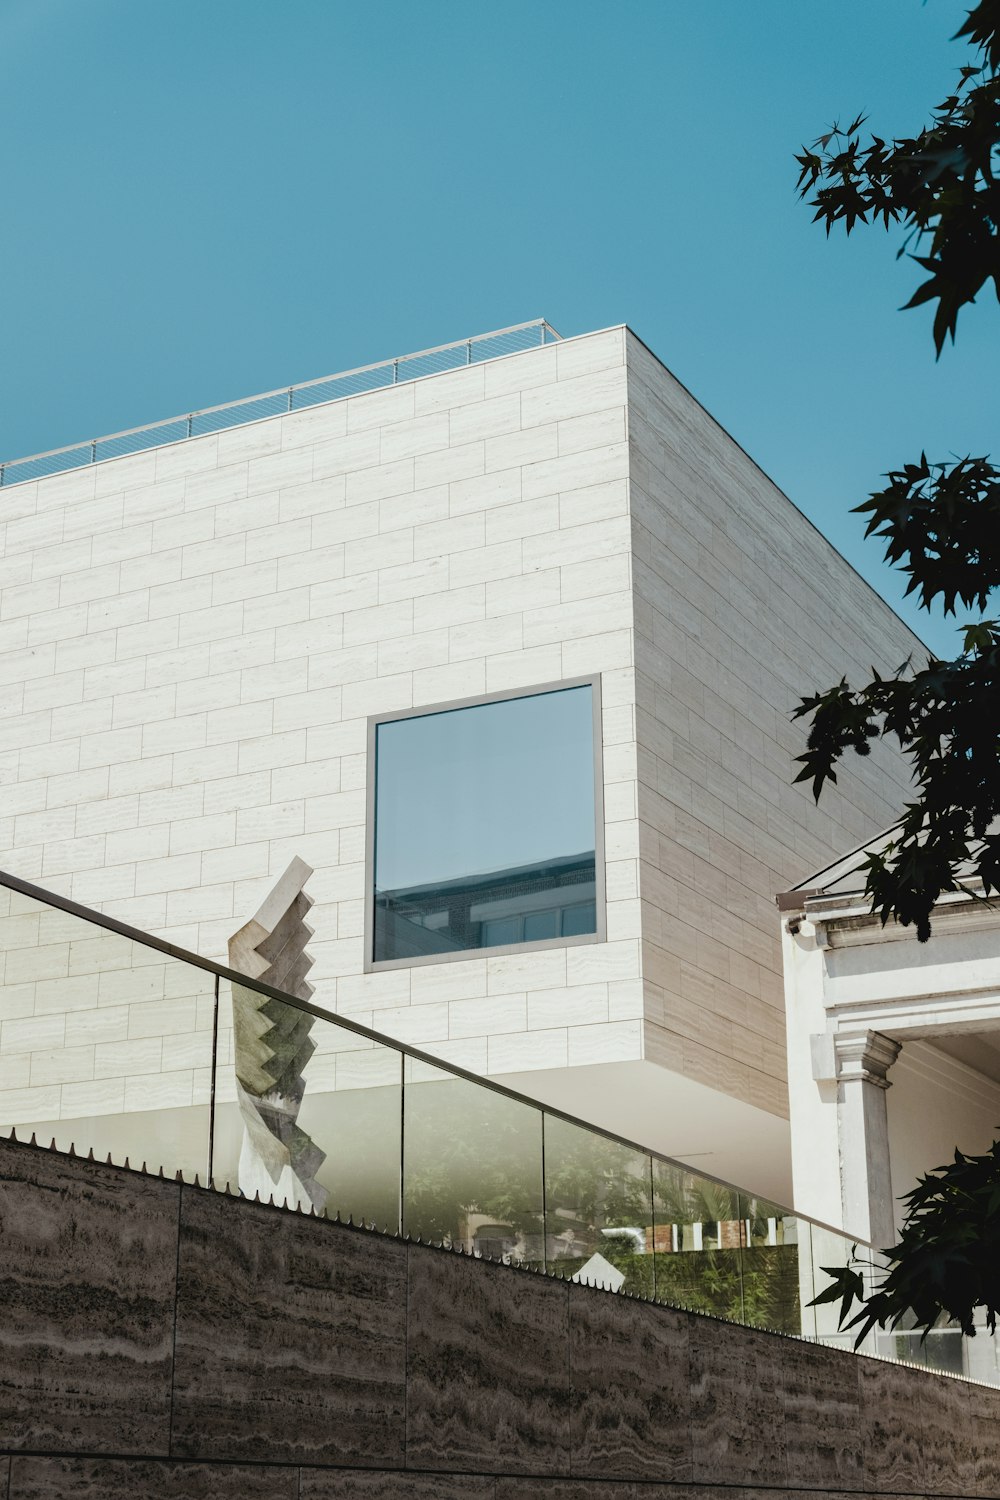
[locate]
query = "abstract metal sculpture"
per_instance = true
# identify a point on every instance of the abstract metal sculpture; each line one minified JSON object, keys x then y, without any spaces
{"x":272,"y":1047}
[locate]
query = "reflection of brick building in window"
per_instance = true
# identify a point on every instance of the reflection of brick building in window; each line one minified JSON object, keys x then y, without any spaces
{"x":529,"y":903}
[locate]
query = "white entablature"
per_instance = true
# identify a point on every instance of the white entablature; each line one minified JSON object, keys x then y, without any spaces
{"x":893,"y":1044}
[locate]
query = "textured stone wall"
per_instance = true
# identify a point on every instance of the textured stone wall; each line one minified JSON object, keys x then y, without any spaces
{"x":741,"y":608}
{"x":192,"y":638}
{"x":162,"y":1341}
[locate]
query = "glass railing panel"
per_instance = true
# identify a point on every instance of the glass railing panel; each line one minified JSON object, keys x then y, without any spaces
{"x":598,"y":1209}
{"x":769,"y":1242}
{"x":106,"y":1043}
{"x":307,"y":1112}
{"x":943,"y":1348}
{"x":981,"y":1355}
{"x":106,"y":1046}
{"x":696,"y":1234}
{"x":822,"y":1251}
{"x":472,"y":1167}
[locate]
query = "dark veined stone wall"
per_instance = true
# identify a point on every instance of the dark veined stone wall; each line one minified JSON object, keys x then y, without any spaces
{"x":162,"y":1341}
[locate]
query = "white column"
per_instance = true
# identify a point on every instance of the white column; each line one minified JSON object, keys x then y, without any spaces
{"x":863,"y":1060}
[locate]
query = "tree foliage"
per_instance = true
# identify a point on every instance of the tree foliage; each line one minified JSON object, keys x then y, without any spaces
{"x":940,"y":184}
{"x":945,"y":717}
{"x":940,"y":522}
{"x":947,"y":1263}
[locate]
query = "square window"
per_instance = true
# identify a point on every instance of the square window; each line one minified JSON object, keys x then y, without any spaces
{"x":485,"y":826}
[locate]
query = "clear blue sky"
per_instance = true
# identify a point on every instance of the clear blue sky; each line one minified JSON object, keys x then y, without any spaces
{"x":206,"y":198}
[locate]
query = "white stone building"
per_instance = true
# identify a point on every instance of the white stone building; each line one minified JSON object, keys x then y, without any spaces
{"x":196,"y":641}
{"x":893,"y":1046}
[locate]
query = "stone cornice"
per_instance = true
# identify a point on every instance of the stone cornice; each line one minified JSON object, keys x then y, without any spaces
{"x":938,"y":1013}
{"x":848,"y":921}
{"x":865,"y":1057}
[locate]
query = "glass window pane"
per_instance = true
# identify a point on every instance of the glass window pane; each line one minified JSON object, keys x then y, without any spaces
{"x":598,"y":1209}
{"x":484,"y":826}
{"x":820,"y":1247}
{"x":697,"y":1237}
{"x":505,"y":930}
{"x":108,"y":1042}
{"x":307,"y":1111}
{"x":771,"y":1291}
{"x":472,"y":1167}
{"x":577,"y":919}
{"x":543,"y":924}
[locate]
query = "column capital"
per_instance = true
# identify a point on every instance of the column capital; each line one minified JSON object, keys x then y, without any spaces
{"x":865,"y":1057}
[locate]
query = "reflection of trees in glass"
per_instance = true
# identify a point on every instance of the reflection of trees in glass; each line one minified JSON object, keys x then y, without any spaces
{"x":735,"y":1274}
{"x":592,"y":1186}
{"x":771,"y":1296}
{"x":472,"y":1157}
{"x":709,"y":1279}
{"x":473,"y":1177}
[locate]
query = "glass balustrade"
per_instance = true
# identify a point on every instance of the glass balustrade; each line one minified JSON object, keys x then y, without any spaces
{"x":307,"y":1112}
{"x":106,"y":1042}
{"x":472,"y":1167}
{"x":117,"y":1044}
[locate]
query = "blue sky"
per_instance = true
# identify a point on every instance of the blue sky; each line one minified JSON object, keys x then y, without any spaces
{"x":203,"y":200}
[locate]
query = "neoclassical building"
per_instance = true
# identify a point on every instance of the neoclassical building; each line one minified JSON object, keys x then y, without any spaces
{"x":893,"y":1045}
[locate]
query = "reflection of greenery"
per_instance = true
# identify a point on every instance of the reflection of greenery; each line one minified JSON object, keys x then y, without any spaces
{"x":771,"y":1295}
{"x":707,"y":1280}
{"x":472,"y":1152}
{"x":594,"y":1184}
{"x":771,"y":1288}
{"x":753,"y":1283}
{"x":468,"y":1150}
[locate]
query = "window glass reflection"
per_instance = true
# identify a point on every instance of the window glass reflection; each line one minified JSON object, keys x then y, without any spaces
{"x":484,"y":826}
{"x":771,"y":1274}
{"x":698,"y":1237}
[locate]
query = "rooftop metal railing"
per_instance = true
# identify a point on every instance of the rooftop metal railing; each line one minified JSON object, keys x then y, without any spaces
{"x":148,"y":1054}
{"x":404,"y":367}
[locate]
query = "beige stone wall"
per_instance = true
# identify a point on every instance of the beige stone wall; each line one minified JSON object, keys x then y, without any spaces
{"x":192,"y":639}
{"x":741,"y":607}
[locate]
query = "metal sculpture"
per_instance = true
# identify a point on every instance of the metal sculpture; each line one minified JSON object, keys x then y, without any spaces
{"x":272,"y":1046}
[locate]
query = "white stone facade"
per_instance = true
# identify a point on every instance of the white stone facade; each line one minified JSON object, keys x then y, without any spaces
{"x":893,"y":1051}
{"x":192,"y":640}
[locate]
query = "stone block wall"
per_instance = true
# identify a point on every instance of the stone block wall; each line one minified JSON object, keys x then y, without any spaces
{"x":165,"y":1341}
{"x":741,"y":608}
{"x":192,"y":638}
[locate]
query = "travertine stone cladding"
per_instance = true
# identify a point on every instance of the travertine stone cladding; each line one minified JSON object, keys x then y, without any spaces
{"x":741,"y":607}
{"x":192,"y":639}
{"x":310,"y":1359}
